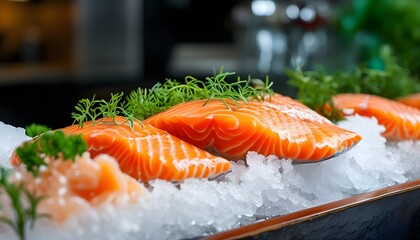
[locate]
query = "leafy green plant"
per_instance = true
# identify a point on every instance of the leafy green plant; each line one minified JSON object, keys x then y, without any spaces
{"x":396,"y":23}
{"x":315,"y":89}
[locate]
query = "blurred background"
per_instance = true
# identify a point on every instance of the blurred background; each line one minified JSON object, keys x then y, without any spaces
{"x":55,"y":52}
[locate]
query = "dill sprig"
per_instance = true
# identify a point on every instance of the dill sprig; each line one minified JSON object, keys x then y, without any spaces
{"x":262,"y":89}
{"x":147,"y":102}
{"x":220,"y":89}
{"x":240,"y":90}
{"x":86,"y":110}
{"x":23,"y":203}
{"x":54,"y":144}
{"x":142,"y":103}
{"x":315,"y":89}
{"x":92,"y":109}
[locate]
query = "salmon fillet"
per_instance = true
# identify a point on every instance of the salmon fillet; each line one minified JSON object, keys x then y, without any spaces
{"x":401,"y":122}
{"x":281,"y":126}
{"x":146,"y":152}
{"x":412,"y":100}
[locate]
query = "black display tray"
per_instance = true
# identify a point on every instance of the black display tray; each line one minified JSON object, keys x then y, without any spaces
{"x":389,"y":213}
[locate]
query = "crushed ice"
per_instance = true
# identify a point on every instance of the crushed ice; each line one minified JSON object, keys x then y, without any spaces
{"x":261,"y":188}
{"x":10,"y":138}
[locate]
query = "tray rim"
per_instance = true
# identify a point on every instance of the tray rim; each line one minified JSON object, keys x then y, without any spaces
{"x":314,"y":212}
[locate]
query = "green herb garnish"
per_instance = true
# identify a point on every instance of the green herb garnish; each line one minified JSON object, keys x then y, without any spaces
{"x":23,"y":203}
{"x":219,"y":88}
{"x":32,"y":154}
{"x":87,"y":110}
{"x":147,"y":102}
{"x":34,"y":130}
{"x":315,"y":89}
{"x":53,"y":144}
{"x":143,"y":103}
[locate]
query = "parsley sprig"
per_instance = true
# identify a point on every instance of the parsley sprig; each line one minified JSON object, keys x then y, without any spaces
{"x":53,"y":144}
{"x":34,"y":129}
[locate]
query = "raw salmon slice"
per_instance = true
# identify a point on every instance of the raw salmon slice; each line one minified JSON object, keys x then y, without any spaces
{"x":146,"y":152}
{"x":282,"y":127}
{"x":401,"y":122}
{"x":412,"y":100}
{"x":71,"y":187}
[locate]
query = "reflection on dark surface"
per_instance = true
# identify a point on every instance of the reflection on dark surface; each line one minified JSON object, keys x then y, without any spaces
{"x":53,"y":53}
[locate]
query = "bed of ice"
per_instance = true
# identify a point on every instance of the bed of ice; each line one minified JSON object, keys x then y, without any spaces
{"x":266,"y":187}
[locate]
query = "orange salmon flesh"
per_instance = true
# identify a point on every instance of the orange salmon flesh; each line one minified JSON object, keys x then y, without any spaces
{"x":147,"y":152}
{"x":280,"y":126}
{"x":412,"y":100}
{"x":401,"y":122}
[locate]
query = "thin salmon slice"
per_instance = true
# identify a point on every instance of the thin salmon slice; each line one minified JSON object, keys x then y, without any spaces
{"x":147,"y":153}
{"x":412,"y":100}
{"x":401,"y":122}
{"x":281,"y":126}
